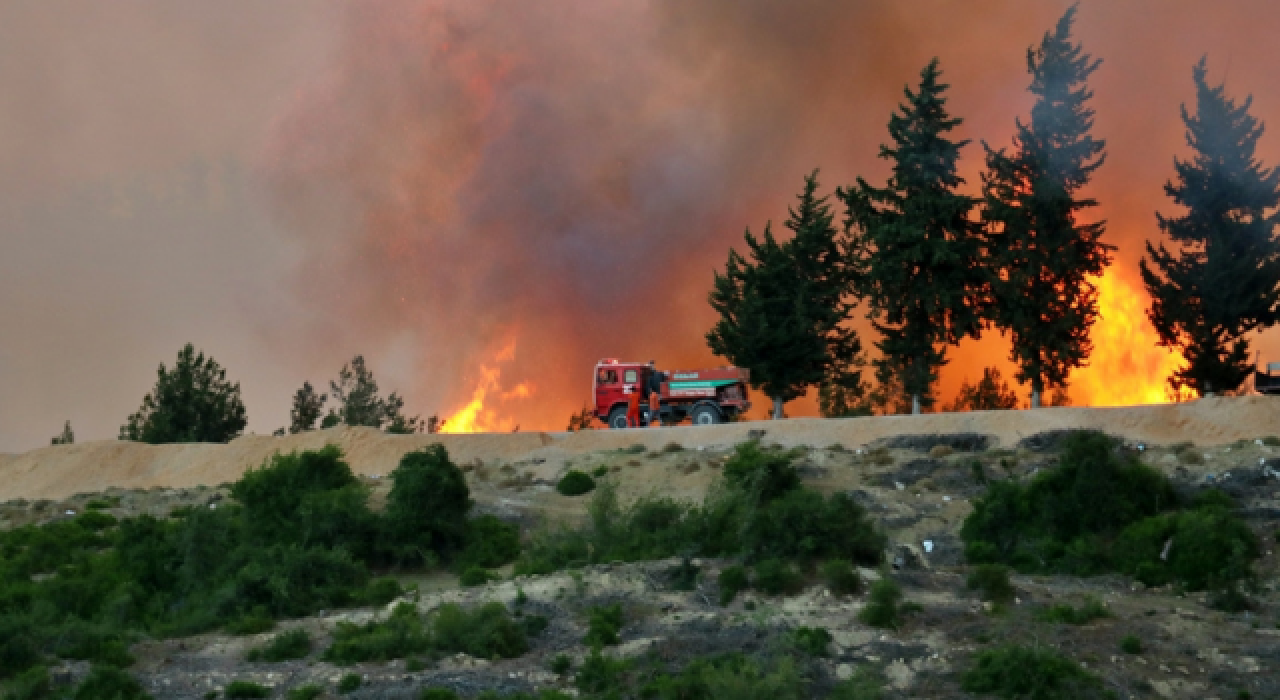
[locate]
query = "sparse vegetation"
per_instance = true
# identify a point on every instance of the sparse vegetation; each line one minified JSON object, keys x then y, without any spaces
{"x":732,"y":581}
{"x":1021,"y":672}
{"x":883,"y":605}
{"x":246,"y":689}
{"x":349,"y":683}
{"x":992,"y":580}
{"x":1067,"y":614}
{"x":777,"y":577}
{"x":1131,"y":644}
{"x":310,"y":691}
{"x":603,"y":625}
{"x":841,"y":578}
{"x":294,"y":644}
{"x":811,"y":640}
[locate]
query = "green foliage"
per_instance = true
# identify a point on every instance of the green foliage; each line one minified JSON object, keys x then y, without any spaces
{"x":684,"y":576}
{"x":485,"y":632}
{"x":1222,"y":282}
{"x":349,"y":683}
{"x":307,"y":408}
{"x":193,"y":402}
{"x":255,"y":621}
{"x":311,"y":691}
{"x":841,"y":577}
{"x":732,"y":581}
{"x":358,"y":402}
{"x":490,"y":543}
{"x":777,"y":577}
{"x":1101,"y":510}
{"x":883,"y":605}
{"x":1033,"y":673}
{"x":438,"y":694}
{"x":1044,"y":254}
{"x":919,"y":215}
{"x":603,"y":625}
{"x":382,"y":591}
{"x":844,"y":395}
{"x":561,"y":664}
{"x":246,"y":689}
{"x":993,"y":581}
{"x":865,"y":684}
{"x":1066,"y":614}
{"x":600,"y":673}
{"x":294,"y":644}
{"x":428,"y":504}
{"x":729,"y":677}
{"x":783,"y":313}
{"x":1131,"y":644}
{"x":762,"y":475}
{"x":805,"y":526}
{"x":811,"y":640}
{"x":575,"y":483}
{"x":476,"y":576}
{"x":31,"y":684}
{"x":402,"y":634}
{"x":110,"y":683}
{"x":991,"y":393}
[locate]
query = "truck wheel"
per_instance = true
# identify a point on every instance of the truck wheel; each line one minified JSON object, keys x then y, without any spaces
{"x":706,"y":415}
{"x":618,"y":418}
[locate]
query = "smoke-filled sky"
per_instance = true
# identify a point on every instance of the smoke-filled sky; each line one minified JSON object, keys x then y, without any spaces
{"x":494,"y":194}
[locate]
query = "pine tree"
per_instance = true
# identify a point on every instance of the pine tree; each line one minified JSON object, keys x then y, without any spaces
{"x":66,"y":437}
{"x":1223,"y":280}
{"x":193,"y":402}
{"x":991,"y":393}
{"x":307,"y":408}
{"x":1044,"y":255}
{"x":920,"y":253}
{"x":358,"y":403}
{"x":783,"y":314}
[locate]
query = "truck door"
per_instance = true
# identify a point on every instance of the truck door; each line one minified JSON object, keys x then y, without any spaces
{"x":608,"y":389}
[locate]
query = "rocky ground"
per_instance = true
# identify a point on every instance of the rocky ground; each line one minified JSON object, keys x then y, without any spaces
{"x":919,"y":488}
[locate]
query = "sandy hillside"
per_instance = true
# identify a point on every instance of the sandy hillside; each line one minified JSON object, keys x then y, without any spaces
{"x":58,"y":472}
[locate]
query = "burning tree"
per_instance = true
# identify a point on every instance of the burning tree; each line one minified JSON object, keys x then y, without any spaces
{"x":1224,"y":279}
{"x":783,"y":313}
{"x":1045,"y":256}
{"x":918,"y":250}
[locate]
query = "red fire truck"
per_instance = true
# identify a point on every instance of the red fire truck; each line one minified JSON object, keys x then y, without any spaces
{"x":706,"y":396}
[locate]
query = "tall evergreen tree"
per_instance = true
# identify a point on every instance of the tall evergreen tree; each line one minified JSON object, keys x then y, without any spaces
{"x":784,"y":313}
{"x":1044,"y":255}
{"x":193,"y":402}
{"x":1223,"y":280}
{"x":919,"y":252}
{"x":307,"y":408}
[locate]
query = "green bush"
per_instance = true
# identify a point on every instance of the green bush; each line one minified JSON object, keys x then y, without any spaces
{"x":1066,"y":614}
{"x":246,"y":689}
{"x":811,"y":640}
{"x":600,"y":673}
{"x":841,"y":577}
{"x":476,"y":576}
{"x":382,"y":591}
{"x":561,"y":664}
{"x":255,"y":621}
{"x":1021,"y":672}
{"x":311,"y":691}
{"x":294,"y":644}
{"x":490,"y":543}
{"x":402,"y":634}
{"x":485,"y":632}
{"x":600,"y":472}
{"x":1207,"y":548}
{"x":684,"y":576}
{"x":731,"y":582}
{"x":603,"y":625}
{"x":803,"y":525}
{"x":349,"y":683}
{"x":413,"y":665}
{"x":993,"y":581}
{"x":575,"y":483}
{"x":428,"y":505}
{"x":883,"y":605}
{"x":438,"y":694}
{"x":866,"y":684}
{"x":31,"y":684}
{"x":1131,"y":644}
{"x":763,"y":475}
{"x":731,"y":677}
{"x":777,"y":577}
{"x":110,"y":683}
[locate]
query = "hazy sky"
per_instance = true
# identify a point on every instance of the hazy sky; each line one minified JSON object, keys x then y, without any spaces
{"x":432,"y":183}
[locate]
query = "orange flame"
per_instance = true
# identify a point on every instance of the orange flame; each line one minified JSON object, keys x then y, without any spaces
{"x":477,"y":416}
{"x":1127,"y":366}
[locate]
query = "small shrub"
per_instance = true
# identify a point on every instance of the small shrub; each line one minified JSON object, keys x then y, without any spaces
{"x":349,"y":683}
{"x":311,"y":691}
{"x":1190,"y":455}
{"x":438,"y":694}
{"x":109,"y":682}
{"x":31,"y":684}
{"x":561,"y":664}
{"x":763,"y":475}
{"x":1271,"y":441}
{"x":1064,"y":613}
{"x":294,"y":644}
{"x":732,"y":580}
{"x":599,"y":673}
{"x":603,"y":625}
{"x":476,"y":576}
{"x":575,"y":483}
{"x":866,"y":684}
{"x":1131,"y":644}
{"x":777,"y":577}
{"x":534,"y":625}
{"x":1021,"y":672}
{"x":993,"y":581}
{"x":684,"y":576}
{"x":246,"y":689}
{"x":841,"y":577}
{"x":382,"y":591}
{"x":811,"y":640}
{"x":402,"y":634}
{"x":600,"y":472}
{"x":414,"y":665}
{"x":977,"y":472}
{"x":490,"y":543}
{"x":882,"y":608}
{"x":485,"y":632}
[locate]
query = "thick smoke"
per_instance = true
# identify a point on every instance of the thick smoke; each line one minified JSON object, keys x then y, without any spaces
{"x":564,"y":176}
